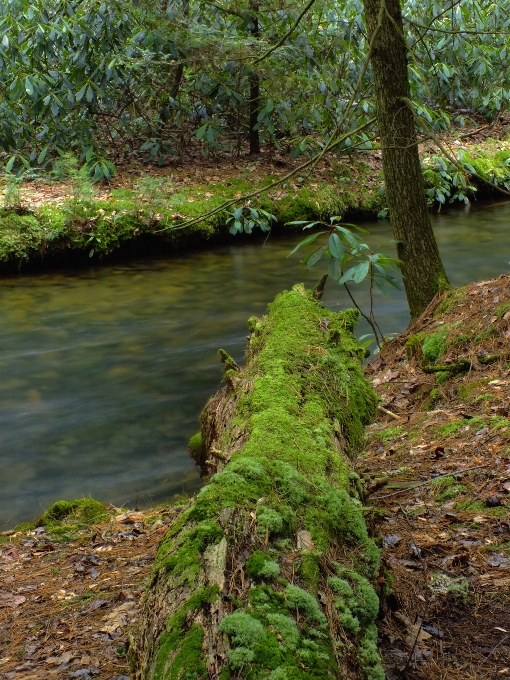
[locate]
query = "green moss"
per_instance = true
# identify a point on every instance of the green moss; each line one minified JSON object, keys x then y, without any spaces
{"x":64,"y":519}
{"x":391,"y":433}
{"x":188,"y":663}
{"x":180,"y":555}
{"x":452,"y":492}
{"x":300,"y":599}
{"x":306,"y":393}
{"x":452,"y":299}
{"x":368,"y":655}
{"x":260,"y":566}
{"x":242,"y":629}
{"x":309,"y":570}
{"x":451,"y":429}
{"x":434,"y":396}
{"x":434,"y":346}
{"x":196,"y":447}
{"x":286,"y":629}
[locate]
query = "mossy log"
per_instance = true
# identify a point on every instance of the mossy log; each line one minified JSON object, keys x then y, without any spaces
{"x":268,"y":575}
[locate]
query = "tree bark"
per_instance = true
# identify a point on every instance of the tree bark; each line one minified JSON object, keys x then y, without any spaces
{"x":254,"y":106}
{"x":423,"y":271}
{"x":267,"y":574}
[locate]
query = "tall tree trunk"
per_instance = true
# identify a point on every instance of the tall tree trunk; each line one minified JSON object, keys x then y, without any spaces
{"x":423,"y":271}
{"x":267,"y":575}
{"x":254,"y":107}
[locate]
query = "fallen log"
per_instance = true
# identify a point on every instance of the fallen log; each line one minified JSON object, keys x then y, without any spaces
{"x":268,"y":574}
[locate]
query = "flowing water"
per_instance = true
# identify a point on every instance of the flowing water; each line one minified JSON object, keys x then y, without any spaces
{"x":103,"y":372}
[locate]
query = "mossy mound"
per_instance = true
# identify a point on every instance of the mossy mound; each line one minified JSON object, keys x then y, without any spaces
{"x":241,"y":571}
{"x":64,"y":518}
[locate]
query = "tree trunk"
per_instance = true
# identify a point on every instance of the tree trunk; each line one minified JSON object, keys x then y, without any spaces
{"x":424,"y":274}
{"x":267,"y":574}
{"x":254,"y":79}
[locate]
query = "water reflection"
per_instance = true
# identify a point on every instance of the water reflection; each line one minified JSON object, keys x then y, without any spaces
{"x":104,"y":372}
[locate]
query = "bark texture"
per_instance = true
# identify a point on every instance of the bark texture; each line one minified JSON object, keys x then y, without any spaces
{"x":424,"y":274}
{"x":254,"y":107}
{"x":268,"y":574}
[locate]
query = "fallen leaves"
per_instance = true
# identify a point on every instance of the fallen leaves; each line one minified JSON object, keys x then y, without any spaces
{"x":10,"y":599}
{"x":121,"y":616}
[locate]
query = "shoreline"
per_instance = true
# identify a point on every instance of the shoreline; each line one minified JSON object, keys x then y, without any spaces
{"x":73,"y":224}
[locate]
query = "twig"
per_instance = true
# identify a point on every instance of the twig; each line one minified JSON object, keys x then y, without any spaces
{"x":412,"y":648}
{"x":450,"y":474}
{"x":474,"y":132}
{"x":388,"y":413}
{"x":493,"y":650}
{"x":287,"y":35}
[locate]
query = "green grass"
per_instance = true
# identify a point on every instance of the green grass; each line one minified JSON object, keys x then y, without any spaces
{"x":391,"y":433}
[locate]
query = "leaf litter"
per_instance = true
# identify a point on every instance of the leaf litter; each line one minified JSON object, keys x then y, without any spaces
{"x":440,"y":478}
{"x":66,"y":608}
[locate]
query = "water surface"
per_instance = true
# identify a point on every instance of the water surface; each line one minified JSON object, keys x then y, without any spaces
{"x":103,"y":372}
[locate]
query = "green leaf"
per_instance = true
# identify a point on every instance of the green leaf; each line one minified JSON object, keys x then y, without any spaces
{"x":29,"y":88}
{"x":382,"y":287}
{"x":352,"y":240}
{"x":334,"y":268}
{"x":42,"y":155}
{"x":81,"y":93}
{"x":336,"y":247}
{"x":10,"y":164}
{"x":314,"y":257}
{"x":306,"y":241}
{"x":348,"y":275}
{"x":361,"y":272}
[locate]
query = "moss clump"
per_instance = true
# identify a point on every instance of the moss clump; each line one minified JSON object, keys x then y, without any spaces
{"x":180,"y":556}
{"x":196,"y":448}
{"x":309,"y":570}
{"x":391,"y":433}
{"x":261,"y":566}
{"x":79,"y":512}
{"x":357,"y":603}
{"x":368,"y":655}
{"x":286,"y":629}
{"x":456,"y":588}
{"x":243,"y":629}
{"x":452,"y":428}
{"x":434,"y":346}
{"x":297,"y":598}
{"x":186,"y":641}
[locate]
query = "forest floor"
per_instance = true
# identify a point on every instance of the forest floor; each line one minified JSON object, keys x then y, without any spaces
{"x":196,"y":169}
{"x":438,"y":486}
{"x":440,"y":478}
{"x":66,"y":606}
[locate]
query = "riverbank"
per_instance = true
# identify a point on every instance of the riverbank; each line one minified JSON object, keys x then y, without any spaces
{"x":437,"y":477}
{"x":44,"y":224}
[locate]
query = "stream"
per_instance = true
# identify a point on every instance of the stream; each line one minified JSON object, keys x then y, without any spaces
{"x":104,"y":371}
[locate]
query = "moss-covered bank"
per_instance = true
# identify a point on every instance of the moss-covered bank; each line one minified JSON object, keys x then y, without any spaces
{"x":149,"y":216}
{"x":269,"y":573}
